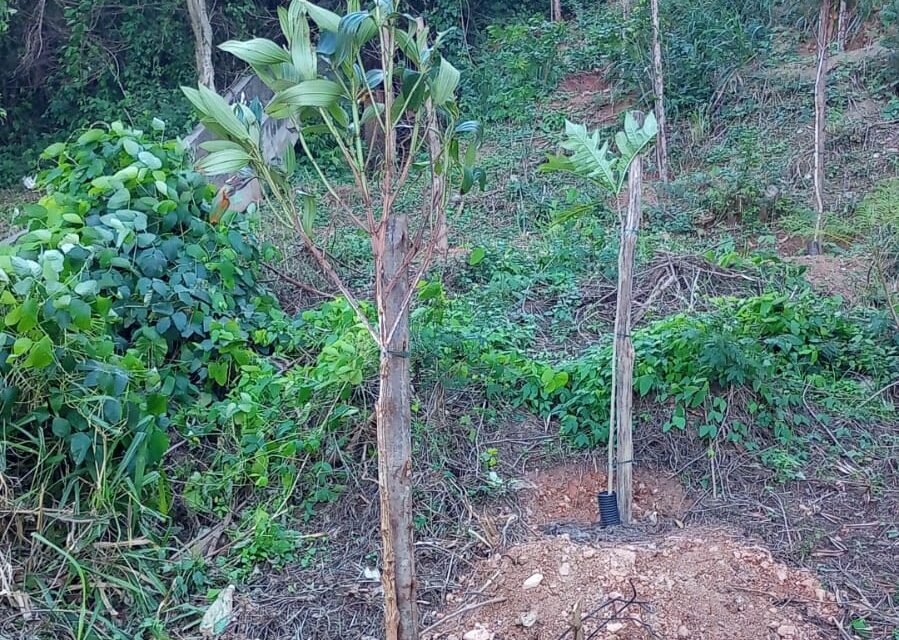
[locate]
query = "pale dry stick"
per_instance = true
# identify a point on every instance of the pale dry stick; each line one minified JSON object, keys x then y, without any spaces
{"x":876,"y":394}
{"x":462,"y":611}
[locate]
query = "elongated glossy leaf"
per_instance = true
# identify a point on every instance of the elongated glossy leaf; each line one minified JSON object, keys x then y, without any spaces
{"x":374,"y":78}
{"x":195,"y":99}
{"x":256,"y":51}
{"x":219,"y":145}
{"x":220,"y":111}
{"x":469,"y":126}
{"x":290,"y":159}
{"x":225,"y":161}
{"x":407,"y":44}
{"x":296,"y":29}
{"x":308,"y":215}
{"x":444,"y":86}
{"x":311,"y":93}
{"x":326,"y":20}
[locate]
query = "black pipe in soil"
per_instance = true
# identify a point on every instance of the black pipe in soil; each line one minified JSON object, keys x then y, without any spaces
{"x":608,"y":510}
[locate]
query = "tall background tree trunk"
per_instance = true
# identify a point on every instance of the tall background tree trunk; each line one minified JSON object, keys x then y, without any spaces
{"x":624,"y":349}
{"x":658,"y":81}
{"x":199,"y":22}
{"x":820,"y":122}
{"x":842,"y":24}
{"x":394,"y":418}
{"x":557,"y":10}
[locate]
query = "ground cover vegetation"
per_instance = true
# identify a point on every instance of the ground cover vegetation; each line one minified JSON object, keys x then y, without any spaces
{"x":187,"y":403}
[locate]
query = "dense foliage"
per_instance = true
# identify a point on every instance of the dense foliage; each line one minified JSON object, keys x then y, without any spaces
{"x":120,"y":303}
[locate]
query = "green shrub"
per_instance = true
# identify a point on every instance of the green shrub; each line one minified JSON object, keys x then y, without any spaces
{"x":518,"y":64}
{"x":276,"y":428}
{"x":770,"y":345}
{"x":120,"y":302}
{"x":703,"y":41}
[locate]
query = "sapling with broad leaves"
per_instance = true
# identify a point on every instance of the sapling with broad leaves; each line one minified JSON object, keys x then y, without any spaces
{"x":377,"y":67}
{"x":597,"y":163}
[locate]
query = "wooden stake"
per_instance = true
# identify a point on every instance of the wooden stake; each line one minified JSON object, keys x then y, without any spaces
{"x":624,"y":348}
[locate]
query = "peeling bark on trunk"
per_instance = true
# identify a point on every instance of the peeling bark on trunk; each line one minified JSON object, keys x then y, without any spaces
{"x":658,"y":81}
{"x":394,"y":419}
{"x":820,"y":122}
{"x":199,"y":22}
{"x":624,"y":349}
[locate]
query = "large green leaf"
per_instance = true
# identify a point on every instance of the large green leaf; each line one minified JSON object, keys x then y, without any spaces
{"x":310,"y":93}
{"x":444,"y":85}
{"x":296,"y":29}
{"x":222,"y":114}
{"x":590,"y":159}
{"x":634,"y":138}
{"x":326,"y":20}
{"x":195,"y":99}
{"x":256,"y":51}
{"x":224,"y":161}
{"x":220,"y":145}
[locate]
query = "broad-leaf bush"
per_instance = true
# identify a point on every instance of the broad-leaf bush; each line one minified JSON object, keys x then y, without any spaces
{"x":120,"y":302}
{"x":774,"y":347}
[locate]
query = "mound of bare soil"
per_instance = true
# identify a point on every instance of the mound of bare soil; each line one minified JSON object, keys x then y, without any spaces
{"x":700,"y":583}
{"x":652,"y":580}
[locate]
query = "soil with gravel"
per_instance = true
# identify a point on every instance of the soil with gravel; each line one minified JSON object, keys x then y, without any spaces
{"x":655,"y":579}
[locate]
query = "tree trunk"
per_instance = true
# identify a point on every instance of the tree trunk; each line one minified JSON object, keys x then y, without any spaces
{"x":624,"y":359}
{"x":820,"y":122}
{"x":557,"y":10}
{"x":199,"y":22}
{"x":842,"y":25}
{"x":658,"y":81}
{"x":394,"y":418}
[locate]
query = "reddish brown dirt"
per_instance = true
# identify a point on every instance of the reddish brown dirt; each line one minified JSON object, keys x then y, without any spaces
{"x":567,"y":493}
{"x":702,"y":583}
{"x":585,"y":82}
{"x":589,"y":97}
{"x":835,"y":275}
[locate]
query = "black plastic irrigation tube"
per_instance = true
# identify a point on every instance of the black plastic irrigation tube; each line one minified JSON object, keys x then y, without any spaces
{"x":608,"y":509}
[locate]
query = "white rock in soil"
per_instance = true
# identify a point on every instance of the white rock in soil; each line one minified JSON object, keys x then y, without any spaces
{"x":528,"y":620}
{"x":683,"y":632}
{"x":614,"y":627}
{"x":565,"y":569}
{"x":533,"y":582}
{"x":786,"y":631}
{"x":478,"y":634}
{"x":372,"y":574}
